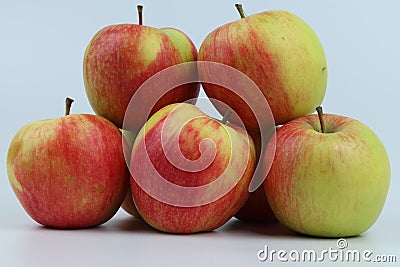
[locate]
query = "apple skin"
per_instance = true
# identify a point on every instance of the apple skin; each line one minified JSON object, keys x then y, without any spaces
{"x":196,"y":126}
{"x":331,"y":184}
{"x":120,"y":58}
{"x":68,"y":172}
{"x":256,"y":209}
{"x":128,"y":205}
{"x":280,"y":53}
{"x":129,"y":137}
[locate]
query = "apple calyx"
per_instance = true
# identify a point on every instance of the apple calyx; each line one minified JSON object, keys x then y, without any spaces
{"x":239,"y":7}
{"x":140,"y":13}
{"x":68,"y":104}
{"x":226,"y":117}
{"x":321,"y":120}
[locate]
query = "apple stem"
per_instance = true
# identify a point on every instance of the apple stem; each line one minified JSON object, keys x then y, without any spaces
{"x":140,"y":12}
{"x":239,"y":7}
{"x":226,"y":117}
{"x":68,"y":104}
{"x":321,"y":119}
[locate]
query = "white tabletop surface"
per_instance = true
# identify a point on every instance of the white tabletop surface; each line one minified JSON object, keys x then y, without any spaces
{"x":127,"y":241}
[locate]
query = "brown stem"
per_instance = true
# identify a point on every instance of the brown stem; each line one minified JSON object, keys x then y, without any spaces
{"x":68,"y":104}
{"x":140,"y":12}
{"x":239,"y":7}
{"x":226,"y":117}
{"x":321,"y":119}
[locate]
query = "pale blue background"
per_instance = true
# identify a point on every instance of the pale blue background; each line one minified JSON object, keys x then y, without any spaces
{"x":41,"y":49}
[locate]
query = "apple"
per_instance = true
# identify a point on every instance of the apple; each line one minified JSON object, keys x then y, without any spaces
{"x":280,"y":53}
{"x":331,"y":182}
{"x":189,"y":172}
{"x":128,"y":205}
{"x":69,"y":172}
{"x":256,"y":209}
{"x":120,"y":58}
{"x":129,"y":137}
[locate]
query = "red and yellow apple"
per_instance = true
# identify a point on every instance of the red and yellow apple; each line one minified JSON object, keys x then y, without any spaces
{"x":189,"y":172}
{"x":280,"y":53}
{"x":120,"y":58}
{"x":331,"y":182}
{"x":69,"y":172}
{"x":256,"y":209}
{"x":128,"y":205}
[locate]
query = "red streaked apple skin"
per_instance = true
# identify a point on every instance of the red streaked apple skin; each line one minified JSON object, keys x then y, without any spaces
{"x":186,"y":48}
{"x":183,"y":219}
{"x":120,"y":58}
{"x":331,"y":184}
{"x":280,"y":53}
{"x":68,"y":172}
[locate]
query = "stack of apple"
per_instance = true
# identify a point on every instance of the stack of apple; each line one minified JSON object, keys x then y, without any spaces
{"x":185,"y":172}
